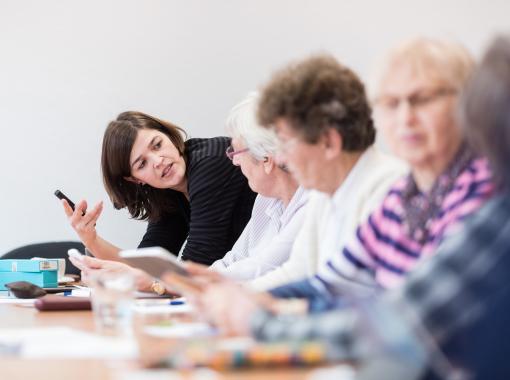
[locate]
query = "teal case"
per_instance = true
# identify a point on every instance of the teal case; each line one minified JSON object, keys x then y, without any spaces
{"x":43,"y":273}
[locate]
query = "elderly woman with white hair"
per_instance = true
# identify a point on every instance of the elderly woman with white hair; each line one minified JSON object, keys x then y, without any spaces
{"x":278,"y":212}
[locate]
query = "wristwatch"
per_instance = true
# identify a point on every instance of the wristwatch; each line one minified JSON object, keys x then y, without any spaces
{"x":158,"y":288}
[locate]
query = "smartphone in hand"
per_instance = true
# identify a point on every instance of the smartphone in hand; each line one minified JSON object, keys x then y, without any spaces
{"x":61,"y":195}
{"x":154,"y":260}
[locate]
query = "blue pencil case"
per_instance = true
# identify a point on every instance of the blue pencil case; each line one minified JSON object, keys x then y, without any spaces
{"x":43,"y":273}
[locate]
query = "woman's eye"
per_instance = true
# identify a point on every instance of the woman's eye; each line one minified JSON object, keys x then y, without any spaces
{"x":157,"y":145}
{"x":141,"y":165}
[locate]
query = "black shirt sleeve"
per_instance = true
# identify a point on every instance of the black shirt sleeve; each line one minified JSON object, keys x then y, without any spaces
{"x":220,"y":202}
{"x":170,"y":231}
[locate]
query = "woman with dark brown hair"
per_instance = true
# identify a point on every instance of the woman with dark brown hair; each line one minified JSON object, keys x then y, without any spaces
{"x":186,"y":189}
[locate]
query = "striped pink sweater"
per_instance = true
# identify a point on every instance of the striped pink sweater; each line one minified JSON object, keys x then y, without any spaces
{"x":383,"y":245}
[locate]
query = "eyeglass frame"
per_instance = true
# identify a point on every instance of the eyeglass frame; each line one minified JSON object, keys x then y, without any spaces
{"x":231,"y":153}
{"x":415,"y":101}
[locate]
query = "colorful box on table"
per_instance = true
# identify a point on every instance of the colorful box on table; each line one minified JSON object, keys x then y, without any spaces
{"x":43,"y":273}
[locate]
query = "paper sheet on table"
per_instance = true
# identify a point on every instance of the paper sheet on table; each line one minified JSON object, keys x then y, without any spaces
{"x":65,"y":342}
{"x":162,"y":308}
{"x":165,"y":374}
{"x":18,"y":301}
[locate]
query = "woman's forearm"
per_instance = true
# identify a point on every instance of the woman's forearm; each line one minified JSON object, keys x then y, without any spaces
{"x":103,"y":249}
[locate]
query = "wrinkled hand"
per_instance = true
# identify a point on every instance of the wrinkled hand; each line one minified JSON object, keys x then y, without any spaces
{"x":91,"y":266}
{"x":83,"y":222}
{"x":191,"y":287}
{"x":229,"y":306}
{"x":203,"y":274}
{"x":220,"y":300}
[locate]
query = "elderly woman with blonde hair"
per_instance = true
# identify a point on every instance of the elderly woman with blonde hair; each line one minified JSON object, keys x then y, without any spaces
{"x":415,"y":94}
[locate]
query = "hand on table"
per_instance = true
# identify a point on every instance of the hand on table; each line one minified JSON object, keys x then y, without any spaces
{"x":91,"y":266}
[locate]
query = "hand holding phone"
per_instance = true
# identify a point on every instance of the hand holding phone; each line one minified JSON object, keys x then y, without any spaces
{"x":74,"y":253}
{"x":60,"y":195}
{"x":83,"y":224}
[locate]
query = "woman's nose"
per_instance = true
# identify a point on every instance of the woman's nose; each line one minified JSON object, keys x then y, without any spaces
{"x":157,"y":160}
{"x":406,"y":113}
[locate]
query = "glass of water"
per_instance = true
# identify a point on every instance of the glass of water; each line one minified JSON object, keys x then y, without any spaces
{"x":112,"y":302}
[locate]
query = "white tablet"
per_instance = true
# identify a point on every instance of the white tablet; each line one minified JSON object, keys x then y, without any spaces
{"x":155,"y":261}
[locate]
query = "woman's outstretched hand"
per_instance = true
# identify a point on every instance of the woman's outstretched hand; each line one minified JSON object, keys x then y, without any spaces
{"x":83,"y":221}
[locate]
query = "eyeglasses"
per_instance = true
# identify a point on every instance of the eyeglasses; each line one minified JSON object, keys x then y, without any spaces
{"x":417,"y":101}
{"x":230,"y":152}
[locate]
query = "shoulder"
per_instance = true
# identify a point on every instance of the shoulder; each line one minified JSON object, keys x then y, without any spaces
{"x":475,"y":180}
{"x":381,"y":180}
{"x":478,"y":169}
{"x":200,"y":148}
{"x":210,"y":171}
{"x":379,"y":172}
{"x":317,"y":202}
{"x":207,"y":154}
{"x":262,"y":204}
{"x":384,"y":163}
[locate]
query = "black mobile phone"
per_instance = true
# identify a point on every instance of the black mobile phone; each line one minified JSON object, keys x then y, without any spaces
{"x":61,"y":195}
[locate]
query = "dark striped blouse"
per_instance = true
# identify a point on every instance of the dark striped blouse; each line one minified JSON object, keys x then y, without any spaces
{"x":219,"y":207}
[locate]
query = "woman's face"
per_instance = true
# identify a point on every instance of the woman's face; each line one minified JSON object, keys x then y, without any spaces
{"x":155,"y":161}
{"x":253,"y":170}
{"x":416,"y":116}
{"x":306,"y":161}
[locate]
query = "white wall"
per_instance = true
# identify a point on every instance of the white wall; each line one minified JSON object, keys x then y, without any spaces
{"x":68,"y":67}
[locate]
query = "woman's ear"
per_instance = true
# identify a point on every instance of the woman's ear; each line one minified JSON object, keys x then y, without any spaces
{"x":269,"y":164}
{"x":332,"y":142}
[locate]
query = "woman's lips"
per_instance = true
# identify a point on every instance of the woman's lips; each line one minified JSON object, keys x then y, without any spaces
{"x":411,"y":139}
{"x":166,"y":171}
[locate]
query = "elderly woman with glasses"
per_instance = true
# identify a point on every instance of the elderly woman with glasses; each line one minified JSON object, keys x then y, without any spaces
{"x":278,"y":211}
{"x":415,"y":97}
{"x":415,"y":100}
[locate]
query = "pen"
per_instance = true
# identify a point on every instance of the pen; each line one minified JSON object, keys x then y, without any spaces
{"x":176,"y":302}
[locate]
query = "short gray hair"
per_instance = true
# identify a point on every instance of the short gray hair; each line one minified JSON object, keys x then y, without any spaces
{"x":242,"y":124}
{"x":443,"y":60}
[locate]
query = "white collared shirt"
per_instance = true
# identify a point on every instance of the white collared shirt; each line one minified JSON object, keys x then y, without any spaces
{"x":331,"y":221}
{"x":267,"y":239}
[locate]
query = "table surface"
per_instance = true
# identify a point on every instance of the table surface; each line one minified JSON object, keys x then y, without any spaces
{"x":17,"y":316}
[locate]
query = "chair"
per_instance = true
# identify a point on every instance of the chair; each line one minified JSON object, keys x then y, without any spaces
{"x":50,"y":250}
